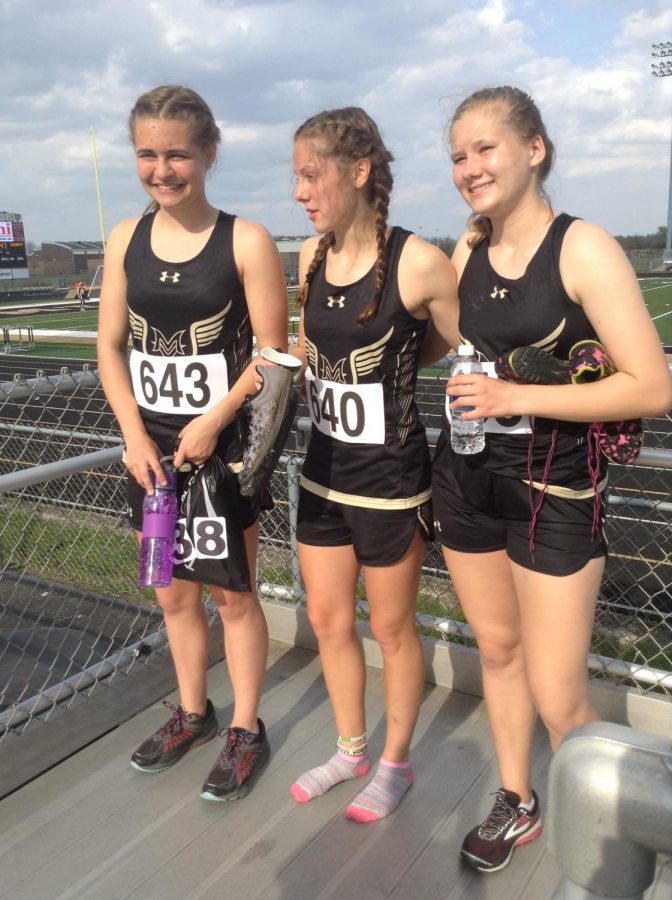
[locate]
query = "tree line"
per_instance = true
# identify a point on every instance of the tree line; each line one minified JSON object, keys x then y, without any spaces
{"x":655,"y":241}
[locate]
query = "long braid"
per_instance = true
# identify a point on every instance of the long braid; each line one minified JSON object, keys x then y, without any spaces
{"x":325,"y":242}
{"x":382,"y":204}
{"x":347,"y":135}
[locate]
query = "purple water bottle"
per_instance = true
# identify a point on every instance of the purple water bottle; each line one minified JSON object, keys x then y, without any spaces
{"x":159,"y":514}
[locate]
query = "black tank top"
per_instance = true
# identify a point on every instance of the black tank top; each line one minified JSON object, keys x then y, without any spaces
{"x":367,"y":443}
{"x":498,"y":314}
{"x":194,"y":313}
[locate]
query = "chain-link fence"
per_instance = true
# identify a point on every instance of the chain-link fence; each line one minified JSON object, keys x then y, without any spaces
{"x":71,"y":613}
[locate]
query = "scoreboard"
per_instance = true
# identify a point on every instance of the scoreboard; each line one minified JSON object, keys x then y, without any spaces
{"x":13,"y":259}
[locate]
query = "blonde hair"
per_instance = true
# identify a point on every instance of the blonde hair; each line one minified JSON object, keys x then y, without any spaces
{"x":173,"y":101}
{"x":346,"y":135}
{"x":521,"y":114}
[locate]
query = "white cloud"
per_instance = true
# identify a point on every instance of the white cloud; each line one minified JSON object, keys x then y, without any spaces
{"x":265,"y":66}
{"x":494,"y":13}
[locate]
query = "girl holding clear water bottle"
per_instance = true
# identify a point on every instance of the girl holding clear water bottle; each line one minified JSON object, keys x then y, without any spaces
{"x":521,"y":520}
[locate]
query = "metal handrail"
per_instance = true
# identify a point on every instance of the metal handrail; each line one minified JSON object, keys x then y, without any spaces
{"x":113,"y":455}
{"x":610,"y":790}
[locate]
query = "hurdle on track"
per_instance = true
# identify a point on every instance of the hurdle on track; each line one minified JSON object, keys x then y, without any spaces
{"x":26,"y":340}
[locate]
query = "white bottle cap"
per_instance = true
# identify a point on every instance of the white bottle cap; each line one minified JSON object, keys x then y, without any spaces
{"x":465,"y":350}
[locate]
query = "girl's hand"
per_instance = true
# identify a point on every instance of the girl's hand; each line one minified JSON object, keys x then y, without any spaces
{"x":142,"y":455}
{"x":260,"y":362}
{"x":489,"y":396}
{"x":197,"y":441}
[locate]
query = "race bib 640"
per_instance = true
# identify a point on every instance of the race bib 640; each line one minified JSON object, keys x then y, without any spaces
{"x":353,"y":413}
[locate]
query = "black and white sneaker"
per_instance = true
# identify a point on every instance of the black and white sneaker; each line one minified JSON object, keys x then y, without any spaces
{"x":489,"y":846}
{"x":181,"y":733}
{"x":243,"y":758}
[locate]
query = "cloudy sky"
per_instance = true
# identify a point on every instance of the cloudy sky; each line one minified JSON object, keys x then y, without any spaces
{"x":77,"y":65}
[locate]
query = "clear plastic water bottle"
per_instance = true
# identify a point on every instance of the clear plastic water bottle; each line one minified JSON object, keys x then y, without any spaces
{"x":466,"y":436}
{"x":159,"y":515}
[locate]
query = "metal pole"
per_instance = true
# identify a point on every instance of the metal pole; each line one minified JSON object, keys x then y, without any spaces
{"x":611,"y":795}
{"x":100,"y":205}
{"x":14,"y":481}
{"x":661,"y":70}
{"x":668,"y":239}
{"x":293,"y":473}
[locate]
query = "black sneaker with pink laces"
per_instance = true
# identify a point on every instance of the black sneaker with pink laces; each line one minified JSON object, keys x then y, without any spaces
{"x":181,"y":733}
{"x":489,"y":846}
{"x":244,"y":756}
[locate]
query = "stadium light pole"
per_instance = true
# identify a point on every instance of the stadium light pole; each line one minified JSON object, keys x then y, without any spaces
{"x":663,"y":52}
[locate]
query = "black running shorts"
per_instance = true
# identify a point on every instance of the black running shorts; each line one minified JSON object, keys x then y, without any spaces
{"x":477,"y":511}
{"x":379,"y":537}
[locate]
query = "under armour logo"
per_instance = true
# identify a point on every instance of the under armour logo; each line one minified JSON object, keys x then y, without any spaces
{"x":498,"y":293}
{"x":336,"y":301}
{"x":175,"y":277}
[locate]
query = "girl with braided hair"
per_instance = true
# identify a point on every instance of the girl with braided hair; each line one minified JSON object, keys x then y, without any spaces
{"x":368,"y":291}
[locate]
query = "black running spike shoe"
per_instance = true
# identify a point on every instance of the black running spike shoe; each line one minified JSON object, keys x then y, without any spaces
{"x":532,"y":365}
{"x":181,"y":733}
{"x":489,"y":847}
{"x":243,"y":758}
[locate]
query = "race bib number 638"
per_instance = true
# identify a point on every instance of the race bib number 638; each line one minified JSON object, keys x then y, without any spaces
{"x":207,"y":540}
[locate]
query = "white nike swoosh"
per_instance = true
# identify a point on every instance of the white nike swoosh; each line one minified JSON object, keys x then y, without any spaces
{"x":515,"y":830}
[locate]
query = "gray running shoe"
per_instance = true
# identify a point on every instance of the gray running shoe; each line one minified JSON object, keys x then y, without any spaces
{"x":181,"y":733}
{"x":270,"y":414}
{"x":241,"y":761}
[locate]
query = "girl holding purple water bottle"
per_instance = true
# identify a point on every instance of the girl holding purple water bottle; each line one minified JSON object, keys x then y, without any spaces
{"x":191,"y":285}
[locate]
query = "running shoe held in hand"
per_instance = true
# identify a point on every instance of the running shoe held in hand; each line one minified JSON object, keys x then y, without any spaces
{"x":619,"y":441}
{"x":270,"y":414}
{"x":532,"y":365}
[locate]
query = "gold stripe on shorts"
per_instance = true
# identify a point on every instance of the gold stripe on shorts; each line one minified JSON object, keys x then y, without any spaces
{"x":557,"y":490}
{"x":364,"y":502}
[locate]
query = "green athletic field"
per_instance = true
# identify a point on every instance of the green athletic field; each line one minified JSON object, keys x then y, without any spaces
{"x":657,"y":293}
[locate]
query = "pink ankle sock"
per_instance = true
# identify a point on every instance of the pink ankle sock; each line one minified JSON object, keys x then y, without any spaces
{"x":383,"y":793}
{"x":319,"y":780}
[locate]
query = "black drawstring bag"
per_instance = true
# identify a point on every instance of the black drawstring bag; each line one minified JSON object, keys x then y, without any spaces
{"x":210,"y":544}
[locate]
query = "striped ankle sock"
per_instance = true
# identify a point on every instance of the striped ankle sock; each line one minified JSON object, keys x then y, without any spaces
{"x":383,"y":793}
{"x":341,"y":767}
